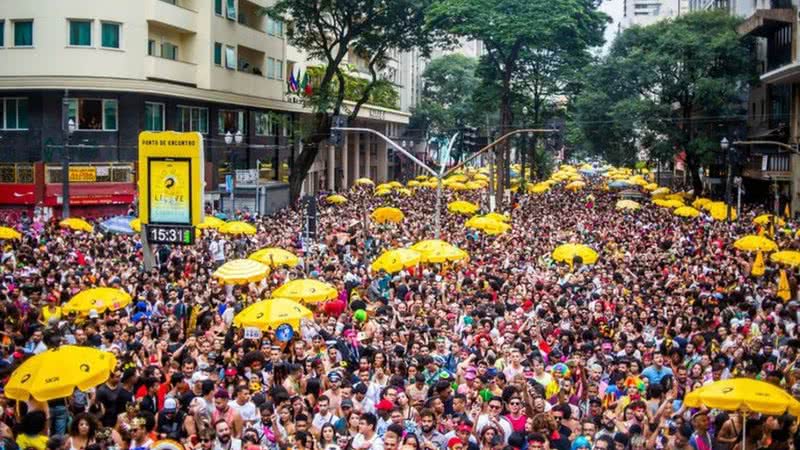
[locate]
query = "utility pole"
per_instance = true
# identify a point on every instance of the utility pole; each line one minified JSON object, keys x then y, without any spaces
{"x":69,"y":127}
{"x":725,"y":146}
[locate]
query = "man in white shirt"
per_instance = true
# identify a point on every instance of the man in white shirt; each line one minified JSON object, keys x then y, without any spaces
{"x":217,"y":250}
{"x":246,"y":408}
{"x":325,"y":415}
{"x":367,"y":438}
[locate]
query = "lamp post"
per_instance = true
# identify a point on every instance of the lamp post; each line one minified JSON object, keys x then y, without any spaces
{"x":69,"y":130}
{"x":725,"y":146}
{"x":524,"y":148}
{"x":230,"y":139}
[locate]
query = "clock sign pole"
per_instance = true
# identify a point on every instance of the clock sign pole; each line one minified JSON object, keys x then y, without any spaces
{"x":171,"y":183}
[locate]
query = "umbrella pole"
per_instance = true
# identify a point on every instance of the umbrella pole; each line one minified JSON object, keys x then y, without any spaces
{"x":744,"y":428}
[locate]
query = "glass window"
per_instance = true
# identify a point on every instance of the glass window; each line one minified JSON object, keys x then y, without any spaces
{"x":153,"y":116}
{"x":80,"y":33}
{"x":232,"y":121}
{"x":262,"y":120}
{"x":279,"y":69}
{"x":23,"y":33}
{"x":93,"y":114}
{"x":13,"y":113}
{"x":191,"y":118}
{"x":217,"y":53}
{"x":230,"y":57}
{"x":231,"y":9}
{"x":218,"y":7}
{"x":2,"y":33}
{"x":151,"y":47}
{"x":169,"y":51}
{"x":271,"y":68}
{"x":110,"y":35}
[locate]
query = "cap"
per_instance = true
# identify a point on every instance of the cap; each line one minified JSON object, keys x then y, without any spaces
{"x":453,"y":442}
{"x":465,"y":428}
{"x":384,"y":405}
{"x":93,"y":314}
{"x":170,"y":405}
{"x":470,"y":374}
{"x":347,"y":403}
{"x":334,"y":376}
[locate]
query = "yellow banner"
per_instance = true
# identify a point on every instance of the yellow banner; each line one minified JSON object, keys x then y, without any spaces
{"x":82,"y":174}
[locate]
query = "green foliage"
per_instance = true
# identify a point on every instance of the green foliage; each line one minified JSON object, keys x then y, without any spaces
{"x":449,"y":83}
{"x":382,"y":93}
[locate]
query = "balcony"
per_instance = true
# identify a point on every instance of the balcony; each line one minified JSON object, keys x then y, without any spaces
{"x":764,"y":22}
{"x":173,"y":14}
{"x":156,"y":68}
{"x":774,"y":166}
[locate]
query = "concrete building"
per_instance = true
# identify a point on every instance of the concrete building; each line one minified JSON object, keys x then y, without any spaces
{"x":648,"y":12}
{"x":213,"y":66}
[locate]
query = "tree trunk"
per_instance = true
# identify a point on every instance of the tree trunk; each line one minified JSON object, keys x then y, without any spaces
{"x":697,"y":183}
{"x":303,"y":162}
{"x":503,"y":153}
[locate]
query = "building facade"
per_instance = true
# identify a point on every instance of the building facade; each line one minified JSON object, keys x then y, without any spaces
{"x":211,"y":66}
{"x":648,"y":12}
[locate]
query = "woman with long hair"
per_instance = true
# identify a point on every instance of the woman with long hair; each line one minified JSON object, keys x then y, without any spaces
{"x":327,"y":436}
{"x":82,"y":432}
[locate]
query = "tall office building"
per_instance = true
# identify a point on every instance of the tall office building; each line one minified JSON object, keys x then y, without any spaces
{"x":647,"y":12}
{"x":211,"y":66}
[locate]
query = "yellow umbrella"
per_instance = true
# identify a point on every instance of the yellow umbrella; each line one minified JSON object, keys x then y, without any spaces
{"x":575,"y":185}
{"x":99,"y":299}
{"x":394,"y":261}
{"x":629,"y":205}
{"x":788,"y":257}
{"x":650,"y":187}
{"x":382,"y":192}
{"x":387,"y":214}
{"x":275,"y":257}
{"x":404,"y":191}
{"x":384,"y":186}
{"x":668,"y":203}
{"x":74,"y":223}
{"x":7,"y":233}
{"x":720,"y":212}
{"x":211,"y":222}
{"x":474,"y":185}
{"x":701,"y":202}
{"x":660,"y":191}
{"x":272,"y":313}
{"x":753,"y":243}
{"x":567,"y":253}
{"x":438,"y":251}
{"x":686,"y":211}
{"x":766,"y":219}
{"x":336,"y":199}
{"x":539,"y":188}
{"x":241,"y":271}
{"x":365,"y":182}
{"x":459,"y":178}
{"x":238,"y":227}
{"x":136,"y":224}
{"x":497,"y":217}
{"x":421,"y":178}
{"x":413,"y":183}
{"x":57,"y":372}
{"x":457,"y":186}
{"x":462,"y":207}
{"x":395,"y":184}
{"x":306,"y":290}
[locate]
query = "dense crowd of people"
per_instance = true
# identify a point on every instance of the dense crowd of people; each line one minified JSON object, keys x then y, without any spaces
{"x":507,"y":350}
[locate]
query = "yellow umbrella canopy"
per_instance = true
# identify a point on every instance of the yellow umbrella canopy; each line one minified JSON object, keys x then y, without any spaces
{"x":462,"y":207}
{"x":382,"y":192}
{"x":237,"y":227}
{"x":404,"y":191}
{"x":438,"y":251}
{"x":539,"y":188}
{"x":575,"y":185}
{"x":457,"y":186}
{"x":719,"y":211}
{"x":336,"y":199}
{"x":387,"y":214}
{"x":384,"y":186}
{"x":660,"y":191}
{"x":753,"y":243}
{"x":272,"y":313}
{"x":766,"y":219}
{"x":498,"y":217}
{"x":743,"y":394}
{"x":788,"y":257}
{"x":365,"y":182}
{"x":136,"y":224}
{"x":57,"y":372}
{"x":629,"y":205}
{"x":458,"y":178}
{"x":413,"y":183}
{"x":76,"y":224}
{"x":686,"y":211}
{"x":306,"y":290}
{"x":99,"y":299}
{"x":421,"y":178}
{"x":8,"y":233}
{"x":211,"y":222}
{"x":241,"y":271}
{"x":395,"y":184}
{"x":668,"y":203}
{"x":701,"y":202}
{"x":394,"y":261}
{"x":650,"y":187}
{"x":567,"y":253}
{"x":275,"y":257}
{"x":473,"y":185}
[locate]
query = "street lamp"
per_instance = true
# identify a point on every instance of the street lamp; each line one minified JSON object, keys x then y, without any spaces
{"x":230,"y":139}
{"x":524,"y":149}
{"x":70,"y":129}
{"x":725,"y":146}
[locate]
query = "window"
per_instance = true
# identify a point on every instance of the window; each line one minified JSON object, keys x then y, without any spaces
{"x":231,"y":9}
{"x":218,"y":7}
{"x":230,"y":57}
{"x":80,"y":33}
{"x":2,"y":33}
{"x":23,"y":33}
{"x":14,"y":113}
{"x":110,"y":35}
{"x":279,"y":69}
{"x":93,"y":114}
{"x":217,"y":53}
{"x":154,"y":116}
{"x":191,"y":118}
{"x":269,"y":124}
{"x":151,"y":47}
{"x":274,"y":27}
{"x":271,"y":68}
{"x":232,"y":121}
{"x":169,"y":51}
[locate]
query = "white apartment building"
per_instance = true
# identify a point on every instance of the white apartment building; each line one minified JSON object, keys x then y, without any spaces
{"x":648,"y":12}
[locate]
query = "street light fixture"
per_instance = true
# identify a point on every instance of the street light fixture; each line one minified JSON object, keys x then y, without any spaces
{"x":70,"y":129}
{"x":524,"y":150}
{"x":230,"y":139}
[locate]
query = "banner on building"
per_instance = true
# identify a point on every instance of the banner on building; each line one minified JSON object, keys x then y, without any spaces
{"x":171,"y":178}
{"x":82,"y":174}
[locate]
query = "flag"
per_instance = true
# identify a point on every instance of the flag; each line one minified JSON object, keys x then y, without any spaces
{"x":758,"y":266}
{"x":306,"y":85}
{"x":787,"y":212}
{"x":292,"y":83}
{"x":784,"y":292}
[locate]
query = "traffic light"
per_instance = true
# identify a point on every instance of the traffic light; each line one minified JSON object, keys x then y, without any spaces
{"x":337,"y":136}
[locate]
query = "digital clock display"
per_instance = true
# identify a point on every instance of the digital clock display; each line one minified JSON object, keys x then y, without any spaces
{"x":170,"y":234}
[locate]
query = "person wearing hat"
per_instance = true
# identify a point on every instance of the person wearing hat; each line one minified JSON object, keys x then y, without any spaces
{"x":170,"y":421}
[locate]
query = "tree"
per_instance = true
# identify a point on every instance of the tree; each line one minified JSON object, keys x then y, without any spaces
{"x":448,"y":85}
{"x":510,"y":29}
{"x":330,"y":30}
{"x":670,"y":87}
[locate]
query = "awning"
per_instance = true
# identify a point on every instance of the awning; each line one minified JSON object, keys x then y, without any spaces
{"x":765,"y":21}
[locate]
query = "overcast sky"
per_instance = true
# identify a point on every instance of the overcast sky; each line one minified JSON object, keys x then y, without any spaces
{"x":614,"y":9}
